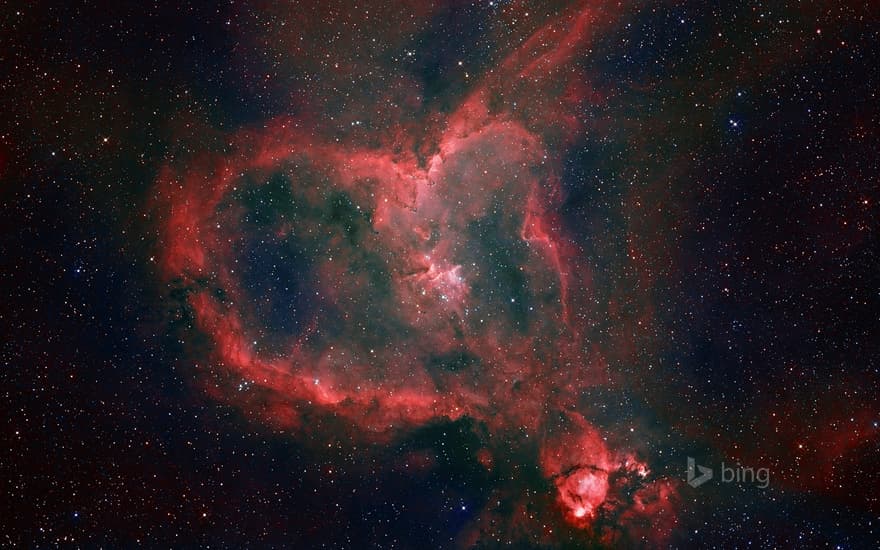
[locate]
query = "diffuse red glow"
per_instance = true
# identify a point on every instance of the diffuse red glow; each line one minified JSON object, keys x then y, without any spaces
{"x":488,"y":163}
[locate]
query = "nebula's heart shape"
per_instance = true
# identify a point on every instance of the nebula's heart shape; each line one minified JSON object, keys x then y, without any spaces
{"x":423,"y":279}
{"x":438,"y":288}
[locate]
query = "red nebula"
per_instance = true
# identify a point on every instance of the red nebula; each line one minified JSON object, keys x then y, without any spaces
{"x":509,"y":370}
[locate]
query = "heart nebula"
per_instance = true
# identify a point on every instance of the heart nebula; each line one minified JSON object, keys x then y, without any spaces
{"x":423,"y":275}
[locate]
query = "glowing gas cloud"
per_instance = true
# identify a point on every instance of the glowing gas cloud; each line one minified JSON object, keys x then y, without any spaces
{"x":423,"y":275}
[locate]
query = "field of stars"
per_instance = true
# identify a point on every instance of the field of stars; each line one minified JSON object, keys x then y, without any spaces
{"x":409,"y":274}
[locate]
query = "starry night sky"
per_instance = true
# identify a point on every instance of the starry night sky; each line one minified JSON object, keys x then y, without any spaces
{"x":413,"y":274}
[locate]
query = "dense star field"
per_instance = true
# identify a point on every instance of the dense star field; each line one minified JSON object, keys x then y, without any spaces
{"x":414,"y":274}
